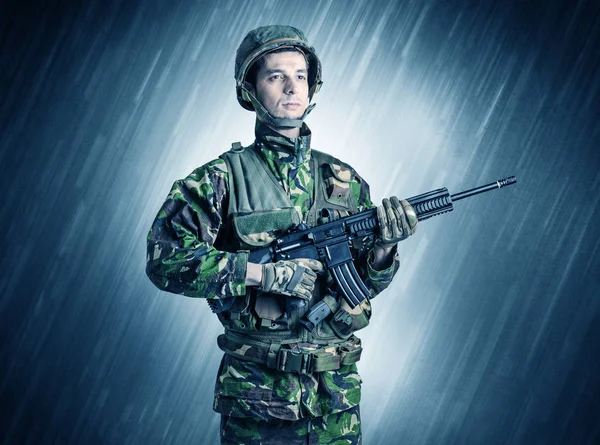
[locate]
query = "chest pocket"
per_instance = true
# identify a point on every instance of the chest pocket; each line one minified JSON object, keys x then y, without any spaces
{"x":258,"y":229}
{"x":337,"y":181}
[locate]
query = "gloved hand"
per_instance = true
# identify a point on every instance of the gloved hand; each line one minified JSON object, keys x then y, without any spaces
{"x":291,"y":277}
{"x":397,"y":221}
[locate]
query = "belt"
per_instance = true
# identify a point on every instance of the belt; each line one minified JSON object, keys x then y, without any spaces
{"x":282,"y":358}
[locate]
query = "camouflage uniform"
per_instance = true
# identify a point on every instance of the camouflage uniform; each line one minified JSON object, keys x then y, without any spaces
{"x":195,"y":248}
{"x":332,"y":429}
{"x":183,"y":259}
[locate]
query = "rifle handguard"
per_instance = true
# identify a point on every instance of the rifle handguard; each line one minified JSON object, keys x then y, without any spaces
{"x":431,"y":203}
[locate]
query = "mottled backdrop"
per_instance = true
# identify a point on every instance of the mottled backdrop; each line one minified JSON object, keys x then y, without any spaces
{"x":491,"y":331}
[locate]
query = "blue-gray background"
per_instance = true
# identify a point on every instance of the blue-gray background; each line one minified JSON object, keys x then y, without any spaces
{"x":489,"y":334}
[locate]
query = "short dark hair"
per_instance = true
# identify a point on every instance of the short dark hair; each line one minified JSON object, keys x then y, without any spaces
{"x":257,"y":65}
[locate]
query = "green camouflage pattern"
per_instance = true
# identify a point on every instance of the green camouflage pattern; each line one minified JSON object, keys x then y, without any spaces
{"x":320,"y":357}
{"x":182,"y":259}
{"x":341,"y":428}
{"x":340,"y":184}
{"x":180,"y":253}
{"x":283,"y":395}
{"x":290,"y":163}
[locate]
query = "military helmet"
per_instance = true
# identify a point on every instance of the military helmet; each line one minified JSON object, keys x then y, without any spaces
{"x":259,"y":42}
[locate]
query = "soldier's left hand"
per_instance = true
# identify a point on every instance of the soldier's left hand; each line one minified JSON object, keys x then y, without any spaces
{"x":397,"y":221}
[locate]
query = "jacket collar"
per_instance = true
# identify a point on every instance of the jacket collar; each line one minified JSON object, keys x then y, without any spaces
{"x":299,"y":147}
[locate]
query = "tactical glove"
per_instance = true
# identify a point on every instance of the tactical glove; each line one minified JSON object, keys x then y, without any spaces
{"x":397,"y":221}
{"x":293,"y":278}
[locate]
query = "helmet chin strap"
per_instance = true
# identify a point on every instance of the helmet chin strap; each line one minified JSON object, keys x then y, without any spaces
{"x":272,"y":121}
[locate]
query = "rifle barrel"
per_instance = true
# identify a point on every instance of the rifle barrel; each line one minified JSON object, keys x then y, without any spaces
{"x":484,"y":188}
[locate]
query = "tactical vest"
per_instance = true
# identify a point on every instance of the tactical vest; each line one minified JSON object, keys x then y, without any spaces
{"x":265,"y":327}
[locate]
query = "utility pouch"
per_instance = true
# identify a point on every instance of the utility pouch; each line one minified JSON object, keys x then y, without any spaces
{"x":268,"y":308}
{"x":259,"y":229}
{"x":347,"y":320}
{"x":319,"y":312}
{"x":336,"y":183}
{"x":240,"y":317}
{"x":242,"y":321}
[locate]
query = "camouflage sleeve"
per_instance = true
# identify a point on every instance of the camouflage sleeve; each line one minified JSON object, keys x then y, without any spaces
{"x":180,"y":256}
{"x":375,"y":280}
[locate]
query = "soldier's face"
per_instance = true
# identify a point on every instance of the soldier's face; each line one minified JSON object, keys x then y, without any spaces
{"x":282,"y":84}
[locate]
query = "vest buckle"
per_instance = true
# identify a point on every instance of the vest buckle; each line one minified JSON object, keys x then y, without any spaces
{"x":292,"y":361}
{"x":237,"y":147}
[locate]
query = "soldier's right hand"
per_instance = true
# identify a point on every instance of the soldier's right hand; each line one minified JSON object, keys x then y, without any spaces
{"x":291,"y":277}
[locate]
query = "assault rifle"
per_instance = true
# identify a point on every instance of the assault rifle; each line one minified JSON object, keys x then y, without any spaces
{"x":330,"y":243}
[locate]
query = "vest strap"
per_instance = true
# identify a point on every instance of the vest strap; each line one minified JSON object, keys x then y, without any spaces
{"x":283,"y":358}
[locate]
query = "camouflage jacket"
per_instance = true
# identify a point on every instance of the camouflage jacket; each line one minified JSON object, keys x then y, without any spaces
{"x":182,"y":258}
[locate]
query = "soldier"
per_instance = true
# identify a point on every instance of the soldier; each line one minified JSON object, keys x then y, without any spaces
{"x":277,"y":382}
